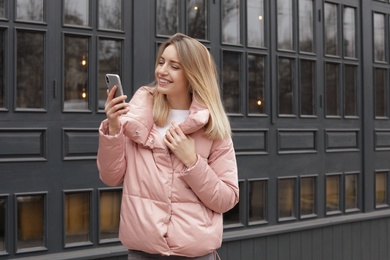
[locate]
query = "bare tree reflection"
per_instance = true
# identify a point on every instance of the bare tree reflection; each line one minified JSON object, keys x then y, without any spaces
{"x":30,"y":67}
{"x":197,"y":13}
{"x":2,"y":8}
{"x":76,"y":12}
{"x":29,"y":10}
{"x":167,"y":17}
{"x":231,"y":81}
{"x":231,"y":21}
{"x":2,"y":66}
{"x":110,"y":14}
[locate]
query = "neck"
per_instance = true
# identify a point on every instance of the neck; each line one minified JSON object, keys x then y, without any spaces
{"x":179,"y":103}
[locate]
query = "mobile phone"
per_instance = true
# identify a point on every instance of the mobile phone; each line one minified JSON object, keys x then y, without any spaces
{"x":114,"y":80}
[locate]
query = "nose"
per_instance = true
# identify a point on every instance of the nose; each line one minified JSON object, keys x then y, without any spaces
{"x":161,"y":69}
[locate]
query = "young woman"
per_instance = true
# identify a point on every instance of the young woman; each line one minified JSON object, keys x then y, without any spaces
{"x":171,"y":149}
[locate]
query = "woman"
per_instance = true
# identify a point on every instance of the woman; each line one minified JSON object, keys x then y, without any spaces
{"x":171,"y":148}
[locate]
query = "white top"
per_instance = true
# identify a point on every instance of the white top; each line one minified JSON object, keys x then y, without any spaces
{"x":177,"y":116}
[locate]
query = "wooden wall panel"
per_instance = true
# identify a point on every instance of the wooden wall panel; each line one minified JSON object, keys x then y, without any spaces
{"x":80,"y":144}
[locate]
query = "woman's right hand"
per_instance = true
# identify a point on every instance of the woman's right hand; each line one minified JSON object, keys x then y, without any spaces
{"x":114,"y":108}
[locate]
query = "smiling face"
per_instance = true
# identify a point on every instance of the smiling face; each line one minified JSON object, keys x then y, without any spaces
{"x":171,"y":79}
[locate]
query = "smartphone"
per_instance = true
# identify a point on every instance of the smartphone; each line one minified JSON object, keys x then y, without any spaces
{"x":114,"y":80}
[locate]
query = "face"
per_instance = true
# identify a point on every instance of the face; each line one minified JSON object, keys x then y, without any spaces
{"x":171,"y":79}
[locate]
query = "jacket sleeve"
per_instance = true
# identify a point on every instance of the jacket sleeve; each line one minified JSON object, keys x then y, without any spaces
{"x":214,"y":180}
{"x":111,"y":156}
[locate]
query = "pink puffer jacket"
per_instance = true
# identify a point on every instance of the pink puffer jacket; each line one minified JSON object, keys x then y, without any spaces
{"x":166,"y":208}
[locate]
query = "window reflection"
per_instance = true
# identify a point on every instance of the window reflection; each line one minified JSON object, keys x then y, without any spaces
{"x":256,"y":83}
{"x":350,"y":99}
{"x":285,"y":86}
{"x":332,"y":193}
{"x":110,"y":53}
{"x":308,"y":196}
{"x":77,"y":217}
{"x":2,"y":223}
{"x":76,"y":12}
{"x":379,"y":37}
{"x":29,"y":10}
{"x":257,"y":200}
{"x":380,"y":92}
{"x":307,"y":78}
{"x":2,"y":8}
{"x":349,"y":32}
{"x":330,"y":28}
{"x":351,"y":191}
{"x":167,"y":17}
{"x":286,"y":203}
{"x":30,"y":70}
{"x":109,"y":211}
{"x":197,"y":19}
{"x":255,"y":23}
{"x":76,"y":73}
{"x":231,"y":21}
{"x":332,"y":87}
{"x":285,"y":24}
{"x":231,"y":81}
{"x":306,"y":26}
{"x":381,"y":189}
{"x":30,"y":221}
{"x":2,"y":67}
{"x":110,"y":14}
{"x":233,"y":216}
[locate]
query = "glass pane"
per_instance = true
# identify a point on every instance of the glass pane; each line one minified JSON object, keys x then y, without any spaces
{"x":2,"y":223}
{"x":350,"y":97}
{"x":231,"y":21}
{"x":231,"y":81}
{"x":2,"y":67}
{"x":233,"y":216}
{"x":332,"y":193}
{"x":330,"y":28}
{"x":76,"y":73}
{"x":351,"y":191}
{"x":197,"y":19}
{"x":286,"y":198}
{"x":255,"y":23}
{"x":167,"y":17}
{"x":307,"y":78}
{"x":77,"y":217}
{"x":381,"y":188}
{"x":257,"y":198}
{"x":332,"y":86}
{"x":30,"y":221}
{"x":379,"y":37}
{"x":286,"y":87}
{"x":110,"y":57}
{"x":76,"y":12}
{"x":256,"y":83}
{"x":306,"y":26}
{"x":29,"y":10}
{"x":110,"y":14}
{"x":380,"y":93}
{"x":109,"y":211}
{"x":285,"y":24}
{"x":349,"y":32}
{"x":308,"y":195}
{"x":30,"y":70}
{"x":2,"y":8}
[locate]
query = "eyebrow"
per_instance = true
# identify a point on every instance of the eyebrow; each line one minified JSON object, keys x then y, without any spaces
{"x":172,"y":61}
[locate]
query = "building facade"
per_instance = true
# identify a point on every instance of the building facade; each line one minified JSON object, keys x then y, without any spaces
{"x":306,"y":84}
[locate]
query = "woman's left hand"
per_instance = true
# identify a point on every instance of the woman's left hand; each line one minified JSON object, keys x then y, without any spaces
{"x":181,"y":145}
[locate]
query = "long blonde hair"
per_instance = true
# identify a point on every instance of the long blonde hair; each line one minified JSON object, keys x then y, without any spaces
{"x":201,"y":73}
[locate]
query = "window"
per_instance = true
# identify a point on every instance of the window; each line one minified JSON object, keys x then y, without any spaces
{"x":76,"y":12}
{"x":286,"y":201}
{"x":2,"y":8}
{"x":30,"y":70}
{"x":2,"y":68}
{"x":77,"y":217}
{"x":109,"y":212}
{"x":257,"y":201}
{"x":197,"y":19}
{"x":333,"y":195}
{"x":231,"y":81}
{"x":381,"y":189}
{"x":351,"y":192}
{"x":27,"y":10}
{"x":308,"y":196}
{"x":3,"y":210}
{"x":306,"y":26}
{"x":381,"y":92}
{"x":30,"y":221}
{"x":286,"y":86}
{"x":231,"y":33}
{"x":307,"y":87}
{"x":255,"y":23}
{"x":167,"y":22}
{"x":234,"y":216}
{"x":256,"y":84}
{"x":110,"y":14}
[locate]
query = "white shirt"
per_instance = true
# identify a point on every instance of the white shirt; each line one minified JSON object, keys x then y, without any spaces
{"x":177,"y":116}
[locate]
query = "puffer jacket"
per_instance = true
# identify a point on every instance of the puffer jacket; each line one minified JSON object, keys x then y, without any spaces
{"x":168,"y":209}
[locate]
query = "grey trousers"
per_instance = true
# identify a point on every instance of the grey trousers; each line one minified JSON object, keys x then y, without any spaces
{"x":138,"y":255}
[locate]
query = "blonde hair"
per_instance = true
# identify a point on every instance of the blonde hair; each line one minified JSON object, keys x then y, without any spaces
{"x":201,"y":73}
